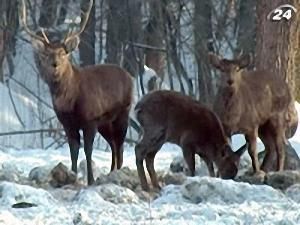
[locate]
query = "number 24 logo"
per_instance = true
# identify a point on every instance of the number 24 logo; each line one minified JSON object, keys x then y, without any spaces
{"x":278,"y":13}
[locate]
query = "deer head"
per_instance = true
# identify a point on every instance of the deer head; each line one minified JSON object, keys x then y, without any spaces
{"x":230,"y":160}
{"x":54,"y":56}
{"x":230,"y":69}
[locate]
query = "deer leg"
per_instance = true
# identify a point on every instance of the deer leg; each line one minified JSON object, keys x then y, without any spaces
{"x":189,"y":157}
{"x":150,"y":168}
{"x":280,"y":152}
{"x":74,"y":145}
{"x":88,"y":136}
{"x":251,"y":139}
{"x":269,"y":159}
{"x":107,"y":133}
{"x":140,"y":154}
{"x":268,"y":141}
{"x":151,"y":142}
{"x":120,"y":126}
{"x":210,"y":166}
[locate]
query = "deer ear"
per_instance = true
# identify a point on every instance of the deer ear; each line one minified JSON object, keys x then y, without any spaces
{"x":215,"y":60}
{"x":245,"y":61}
{"x":38,"y":45}
{"x":71,"y":44}
{"x":241,"y":150}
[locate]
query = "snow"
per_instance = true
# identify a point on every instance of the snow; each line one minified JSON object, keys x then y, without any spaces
{"x":223,"y":202}
{"x":200,"y":200}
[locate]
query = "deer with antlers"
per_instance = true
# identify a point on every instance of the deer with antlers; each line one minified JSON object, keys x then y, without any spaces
{"x":257,"y":104}
{"x":92,"y":98}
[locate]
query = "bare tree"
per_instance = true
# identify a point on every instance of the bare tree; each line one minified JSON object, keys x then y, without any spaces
{"x":276,"y":45}
{"x":8,"y":29}
{"x":88,"y":37}
{"x":276,"y":40}
{"x":246,"y":22}
{"x":202,"y":36}
{"x":154,"y":36}
{"x":124,"y":27}
{"x":172,"y":17}
{"x":48,"y":13}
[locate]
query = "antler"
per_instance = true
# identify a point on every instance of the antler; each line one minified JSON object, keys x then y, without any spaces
{"x":28,"y":31}
{"x":83,"y":24}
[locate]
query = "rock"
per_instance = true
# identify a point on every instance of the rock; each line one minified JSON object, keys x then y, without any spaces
{"x":82,"y":170}
{"x":279,"y":179}
{"x":293,"y":192}
{"x":220,"y":191}
{"x":10,"y":172}
{"x":61,"y":175}
{"x":64,"y":194}
{"x":11,"y":177}
{"x":191,"y":191}
{"x":292,"y":161}
{"x":172,"y":178}
{"x":251,"y":178}
{"x":40,"y":174}
{"x":245,"y":164}
{"x":116,"y":194}
{"x":123,"y":177}
{"x":20,"y":205}
{"x":179,"y":165}
{"x":282,"y":179}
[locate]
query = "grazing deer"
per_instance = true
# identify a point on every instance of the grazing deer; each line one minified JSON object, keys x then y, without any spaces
{"x":254,"y":103}
{"x":92,"y":98}
{"x":168,"y":116}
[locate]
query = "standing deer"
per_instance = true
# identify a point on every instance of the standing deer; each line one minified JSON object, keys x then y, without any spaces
{"x":254,"y":103}
{"x":92,"y":98}
{"x":168,"y":116}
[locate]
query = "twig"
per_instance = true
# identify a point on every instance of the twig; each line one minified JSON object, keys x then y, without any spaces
{"x":14,"y":105}
{"x":31,"y":92}
{"x":144,"y":46}
{"x":29,"y":131}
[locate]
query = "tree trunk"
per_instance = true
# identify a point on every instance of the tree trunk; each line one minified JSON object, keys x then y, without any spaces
{"x":8,"y":29}
{"x":203,"y":35}
{"x":246,"y":27}
{"x":154,"y":36}
{"x":124,"y":27}
{"x":277,"y":48}
{"x":172,"y":20}
{"x":276,"y":40}
{"x":48,"y":13}
{"x":63,"y":11}
{"x":88,"y":37}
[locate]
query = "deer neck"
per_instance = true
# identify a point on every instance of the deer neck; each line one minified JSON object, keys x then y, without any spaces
{"x":64,"y":89}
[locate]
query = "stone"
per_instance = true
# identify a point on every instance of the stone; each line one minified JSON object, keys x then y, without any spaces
{"x":282,"y":179}
{"x":61,"y":175}
{"x":293,"y":192}
{"x":172,"y":178}
{"x":179,"y":165}
{"x":40,"y":174}
{"x":123,"y":177}
{"x":116,"y":194}
{"x":82,"y":170}
{"x":292,"y":161}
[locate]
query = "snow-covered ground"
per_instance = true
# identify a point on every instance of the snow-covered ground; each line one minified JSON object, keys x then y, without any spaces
{"x":198,"y":201}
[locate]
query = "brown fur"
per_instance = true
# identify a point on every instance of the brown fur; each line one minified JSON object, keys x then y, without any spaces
{"x":89,"y":98}
{"x":168,"y":116}
{"x":254,"y":103}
